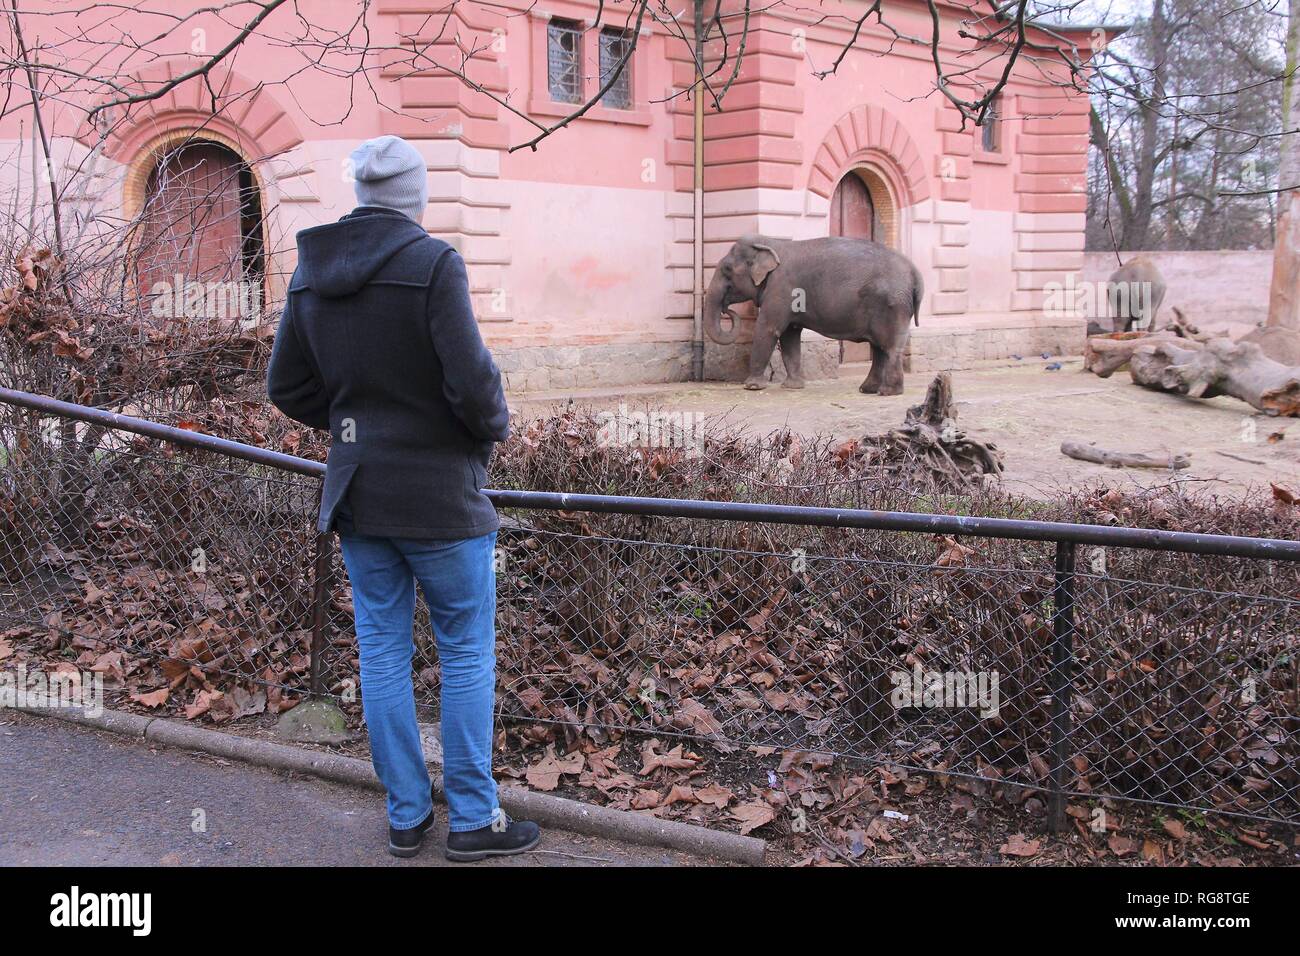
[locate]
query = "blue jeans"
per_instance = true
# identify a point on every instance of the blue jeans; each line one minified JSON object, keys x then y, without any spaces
{"x":458,"y":579}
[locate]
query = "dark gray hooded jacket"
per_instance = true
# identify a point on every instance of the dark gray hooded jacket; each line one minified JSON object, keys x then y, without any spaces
{"x":378,"y":343}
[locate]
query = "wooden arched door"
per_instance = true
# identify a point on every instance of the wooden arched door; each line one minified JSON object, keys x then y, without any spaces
{"x":201,"y":221}
{"x":853,"y":213}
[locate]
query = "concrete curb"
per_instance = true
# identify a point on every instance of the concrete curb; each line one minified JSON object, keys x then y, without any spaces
{"x":622,"y":825}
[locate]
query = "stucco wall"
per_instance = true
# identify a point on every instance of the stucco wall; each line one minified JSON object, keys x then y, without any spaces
{"x":588,"y":240}
{"x":1209,"y":287}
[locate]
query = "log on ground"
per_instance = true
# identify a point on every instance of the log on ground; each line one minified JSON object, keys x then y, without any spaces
{"x":1222,"y":367}
{"x":1122,"y":459}
{"x":1103,"y":355}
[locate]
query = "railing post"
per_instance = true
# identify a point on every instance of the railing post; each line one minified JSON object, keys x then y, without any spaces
{"x":320,"y":597}
{"x":1062,"y":678}
{"x":318,"y":719}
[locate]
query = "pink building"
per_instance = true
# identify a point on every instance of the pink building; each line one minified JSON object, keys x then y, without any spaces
{"x":585,"y":252}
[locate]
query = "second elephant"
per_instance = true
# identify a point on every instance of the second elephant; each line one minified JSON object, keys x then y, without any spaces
{"x":1134,"y":293}
{"x":854,"y":290}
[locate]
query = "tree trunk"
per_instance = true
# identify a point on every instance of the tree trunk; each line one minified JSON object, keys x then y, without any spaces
{"x":1277,"y":342}
{"x":1221,"y":367}
{"x":1284,"y":292}
{"x":1103,"y":355}
{"x":1137,"y":231}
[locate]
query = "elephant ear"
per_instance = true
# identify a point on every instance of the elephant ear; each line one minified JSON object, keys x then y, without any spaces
{"x":765,"y":260}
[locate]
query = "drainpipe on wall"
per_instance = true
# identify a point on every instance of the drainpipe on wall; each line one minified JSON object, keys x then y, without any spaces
{"x":697,"y":340}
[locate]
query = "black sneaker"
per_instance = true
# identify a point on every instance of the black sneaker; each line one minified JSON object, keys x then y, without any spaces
{"x":406,"y":843}
{"x":503,"y":837}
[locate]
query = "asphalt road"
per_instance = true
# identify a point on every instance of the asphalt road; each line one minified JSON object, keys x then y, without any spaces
{"x":74,"y":796}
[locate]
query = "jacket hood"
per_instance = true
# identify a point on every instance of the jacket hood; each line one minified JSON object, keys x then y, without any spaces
{"x":337,"y":259}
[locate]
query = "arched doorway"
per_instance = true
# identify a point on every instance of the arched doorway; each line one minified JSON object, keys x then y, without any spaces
{"x":862,"y":208}
{"x":201,"y":227}
{"x":853,"y":213}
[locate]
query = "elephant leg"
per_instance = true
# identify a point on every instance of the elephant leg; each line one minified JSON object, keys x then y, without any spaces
{"x":759,"y":354}
{"x":891,"y":381}
{"x":790,"y":355}
{"x":871,"y":384}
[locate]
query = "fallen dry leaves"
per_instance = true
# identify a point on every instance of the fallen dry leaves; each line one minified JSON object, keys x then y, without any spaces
{"x":674,"y":759}
{"x":546,"y":773}
{"x":1019,"y":845}
{"x":152,"y":699}
{"x":753,"y":815}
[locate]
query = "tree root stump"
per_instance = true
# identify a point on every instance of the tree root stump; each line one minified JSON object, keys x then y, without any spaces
{"x":930,"y":451}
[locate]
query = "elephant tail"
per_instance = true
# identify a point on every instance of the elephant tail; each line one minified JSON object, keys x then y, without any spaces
{"x":917,"y":293}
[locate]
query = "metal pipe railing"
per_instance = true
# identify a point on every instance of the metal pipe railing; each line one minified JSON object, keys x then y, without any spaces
{"x":179,"y":436}
{"x":1013,"y":528}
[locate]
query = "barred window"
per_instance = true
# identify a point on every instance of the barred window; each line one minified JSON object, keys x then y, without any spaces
{"x":992,"y":128}
{"x":564,"y":60}
{"x":614,"y":45}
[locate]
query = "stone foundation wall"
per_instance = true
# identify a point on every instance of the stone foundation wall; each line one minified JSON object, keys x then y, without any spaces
{"x":556,"y":367}
{"x":544,"y":368}
{"x":819,"y":359}
{"x":966,"y":346}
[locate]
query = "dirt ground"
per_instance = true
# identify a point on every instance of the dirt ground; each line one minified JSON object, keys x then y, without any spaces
{"x":1026,"y":410}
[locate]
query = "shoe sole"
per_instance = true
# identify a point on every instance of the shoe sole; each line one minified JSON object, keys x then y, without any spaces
{"x":463,"y":856}
{"x":404,"y":852}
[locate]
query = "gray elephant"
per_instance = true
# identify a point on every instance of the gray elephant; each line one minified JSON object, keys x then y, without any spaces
{"x":855,"y":290}
{"x":1134,"y":293}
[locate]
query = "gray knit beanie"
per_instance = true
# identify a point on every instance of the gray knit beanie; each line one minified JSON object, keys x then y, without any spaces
{"x":390,"y":172}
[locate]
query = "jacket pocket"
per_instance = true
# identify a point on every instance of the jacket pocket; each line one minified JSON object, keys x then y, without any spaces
{"x":337,"y":480}
{"x":478,"y":474}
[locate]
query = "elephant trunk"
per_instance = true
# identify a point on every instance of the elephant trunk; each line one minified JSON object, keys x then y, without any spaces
{"x":713,"y":309}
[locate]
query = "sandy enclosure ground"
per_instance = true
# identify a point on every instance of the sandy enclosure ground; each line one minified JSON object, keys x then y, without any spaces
{"x":1026,"y":410}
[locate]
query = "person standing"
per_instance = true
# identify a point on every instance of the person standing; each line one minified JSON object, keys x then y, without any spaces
{"x":378,"y":344}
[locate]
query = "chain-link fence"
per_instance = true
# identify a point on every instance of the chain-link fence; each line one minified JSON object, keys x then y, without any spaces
{"x":1071,"y":659}
{"x":1056,"y":678}
{"x":116,"y":547}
